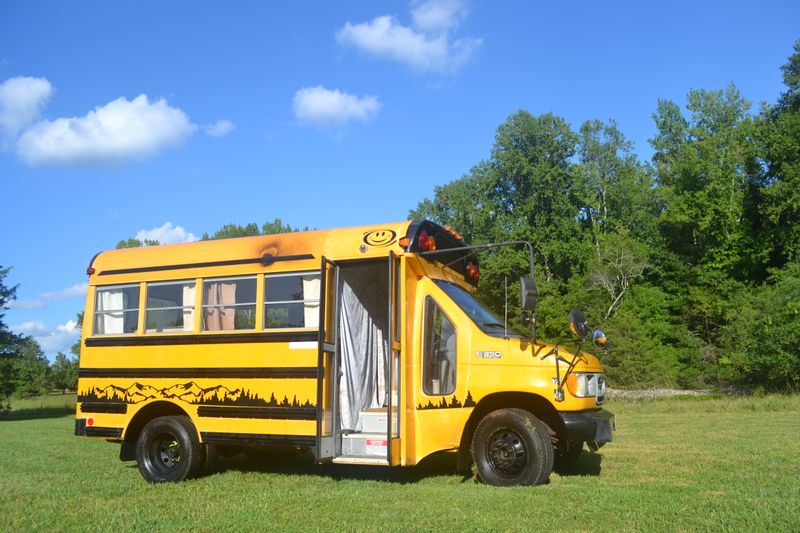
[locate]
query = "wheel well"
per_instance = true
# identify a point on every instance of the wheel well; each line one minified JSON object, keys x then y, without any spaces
{"x":148,"y":413}
{"x":532,"y":403}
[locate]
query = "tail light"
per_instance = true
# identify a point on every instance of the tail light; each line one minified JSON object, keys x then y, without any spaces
{"x":473,"y":272}
{"x":427,"y":243}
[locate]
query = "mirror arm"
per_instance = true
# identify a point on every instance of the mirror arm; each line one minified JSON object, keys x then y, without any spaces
{"x":571,"y":366}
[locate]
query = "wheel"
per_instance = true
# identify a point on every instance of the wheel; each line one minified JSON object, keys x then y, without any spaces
{"x":512,"y":447}
{"x":567,"y":457}
{"x":168,"y":450}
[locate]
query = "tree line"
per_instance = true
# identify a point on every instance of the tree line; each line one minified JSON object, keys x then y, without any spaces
{"x":24,"y":369}
{"x":690,"y":261}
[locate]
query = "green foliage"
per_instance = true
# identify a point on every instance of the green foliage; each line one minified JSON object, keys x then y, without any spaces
{"x":137,"y":243}
{"x":63,"y":373}
{"x":9,"y":343}
{"x":687,"y":261}
{"x":762,"y":337}
{"x":230,"y":231}
{"x":32,"y":370}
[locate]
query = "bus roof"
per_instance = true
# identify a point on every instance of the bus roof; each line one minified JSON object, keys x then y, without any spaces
{"x":280,"y":252}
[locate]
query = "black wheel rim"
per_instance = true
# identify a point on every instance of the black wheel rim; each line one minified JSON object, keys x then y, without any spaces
{"x":165,"y":452}
{"x":507,"y":453}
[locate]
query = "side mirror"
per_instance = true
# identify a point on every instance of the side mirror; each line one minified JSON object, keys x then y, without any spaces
{"x":527,"y":293}
{"x":577,"y":324}
{"x":599,"y":338}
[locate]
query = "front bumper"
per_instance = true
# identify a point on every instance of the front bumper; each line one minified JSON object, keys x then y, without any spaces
{"x":589,"y":426}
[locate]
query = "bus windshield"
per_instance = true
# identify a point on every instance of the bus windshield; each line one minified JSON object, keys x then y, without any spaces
{"x":487,"y":321}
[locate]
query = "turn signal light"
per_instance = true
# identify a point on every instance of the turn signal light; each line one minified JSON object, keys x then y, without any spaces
{"x":404,"y":242}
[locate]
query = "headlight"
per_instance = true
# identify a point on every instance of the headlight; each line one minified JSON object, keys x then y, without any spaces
{"x":587,"y":385}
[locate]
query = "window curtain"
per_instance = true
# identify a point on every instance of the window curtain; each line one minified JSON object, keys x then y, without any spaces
{"x":188,"y":307}
{"x":217,"y":316}
{"x":110,"y":323}
{"x":311,"y":309}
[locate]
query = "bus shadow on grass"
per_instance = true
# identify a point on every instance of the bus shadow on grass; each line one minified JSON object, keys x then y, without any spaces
{"x":441,"y":464}
{"x":36,"y":413}
{"x":588,"y":464}
{"x":436,"y":465}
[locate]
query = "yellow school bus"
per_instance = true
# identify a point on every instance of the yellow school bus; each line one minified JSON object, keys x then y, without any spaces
{"x":364,"y":345}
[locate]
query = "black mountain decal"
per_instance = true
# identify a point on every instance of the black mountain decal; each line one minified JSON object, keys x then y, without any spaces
{"x":452,"y":404}
{"x":189,"y":392}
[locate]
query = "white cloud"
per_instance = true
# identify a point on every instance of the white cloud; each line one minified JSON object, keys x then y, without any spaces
{"x":330,"y":107}
{"x":166,"y":234}
{"x":220,"y":128}
{"x":428,"y":45}
{"x":78,"y":289}
{"x":438,"y":17}
{"x":21,"y":102}
{"x":54,"y":340}
{"x":33,"y":303}
{"x":32,"y":327}
{"x":118,"y":131}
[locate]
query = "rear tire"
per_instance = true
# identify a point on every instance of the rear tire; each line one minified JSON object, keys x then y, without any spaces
{"x":168,"y":450}
{"x":512,"y":447}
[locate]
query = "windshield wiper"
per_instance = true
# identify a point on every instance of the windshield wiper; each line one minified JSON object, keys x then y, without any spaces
{"x":493,"y":325}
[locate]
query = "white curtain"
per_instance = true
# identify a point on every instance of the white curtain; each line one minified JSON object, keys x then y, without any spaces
{"x":362,"y":335}
{"x":217,"y":317}
{"x":311,"y":309}
{"x":111,"y":323}
{"x":188,"y":309}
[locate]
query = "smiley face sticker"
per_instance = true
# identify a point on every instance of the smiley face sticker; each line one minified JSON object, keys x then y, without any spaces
{"x":380,"y":237}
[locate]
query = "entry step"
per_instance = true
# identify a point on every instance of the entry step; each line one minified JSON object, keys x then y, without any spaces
{"x":351,"y":460}
{"x":369,"y":445}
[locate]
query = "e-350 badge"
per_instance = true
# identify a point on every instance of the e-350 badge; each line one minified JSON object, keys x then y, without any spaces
{"x":489,"y":355}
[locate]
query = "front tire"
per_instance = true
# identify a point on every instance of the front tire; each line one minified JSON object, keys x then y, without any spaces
{"x":512,"y":447}
{"x":168,"y":450}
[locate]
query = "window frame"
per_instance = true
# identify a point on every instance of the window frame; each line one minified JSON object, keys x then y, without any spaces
{"x":103,"y":288}
{"x":204,"y":305}
{"x":428,"y":391}
{"x":182,"y":308}
{"x":304,"y":301}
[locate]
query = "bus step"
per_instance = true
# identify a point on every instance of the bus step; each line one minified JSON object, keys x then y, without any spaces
{"x":365,"y":445}
{"x":355,"y":460}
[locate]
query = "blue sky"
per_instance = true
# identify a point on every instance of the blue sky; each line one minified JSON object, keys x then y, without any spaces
{"x":168,"y":119}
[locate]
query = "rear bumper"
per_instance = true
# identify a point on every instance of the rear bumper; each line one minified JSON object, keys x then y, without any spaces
{"x":589,"y":426}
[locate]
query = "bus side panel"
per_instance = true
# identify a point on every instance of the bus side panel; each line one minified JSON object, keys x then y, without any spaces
{"x":253,"y":389}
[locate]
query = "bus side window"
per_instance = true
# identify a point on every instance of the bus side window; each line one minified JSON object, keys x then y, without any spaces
{"x":229,"y":304}
{"x":116,"y":310}
{"x":291,"y":301}
{"x":170,"y":307}
{"x":439,"y":359}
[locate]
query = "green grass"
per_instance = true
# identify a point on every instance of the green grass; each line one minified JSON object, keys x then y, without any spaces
{"x":700,"y":464}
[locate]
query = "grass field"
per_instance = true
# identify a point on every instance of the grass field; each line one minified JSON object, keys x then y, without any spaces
{"x":701,"y":464}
